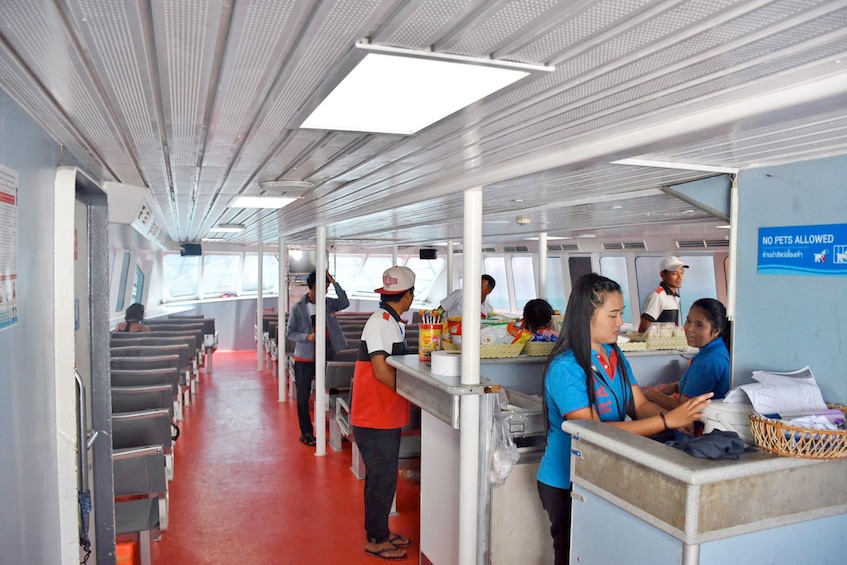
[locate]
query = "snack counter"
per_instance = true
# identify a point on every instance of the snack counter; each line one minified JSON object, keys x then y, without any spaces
{"x":661,"y":506}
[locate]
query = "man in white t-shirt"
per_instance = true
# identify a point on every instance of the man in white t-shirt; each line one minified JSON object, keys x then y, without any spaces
{"x":452,"y":303}
{"x":662,"y":305}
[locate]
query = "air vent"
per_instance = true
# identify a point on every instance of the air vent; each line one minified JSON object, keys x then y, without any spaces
{"x":489,"y":250}
{"x":693,"y":244}
{"x":624,"y":245}
{"x":516,"y":249}
{"x":717,"y":243}
{"x":700,"y":243}
{"x":563,"y":247}
{"x":144,"y":215}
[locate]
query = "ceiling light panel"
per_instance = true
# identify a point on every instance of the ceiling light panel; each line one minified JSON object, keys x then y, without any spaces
{"x":261,"y":201}
{"x":394,"y":94}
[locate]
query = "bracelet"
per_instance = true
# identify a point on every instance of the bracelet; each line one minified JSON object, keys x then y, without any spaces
{"x":664,"y":421}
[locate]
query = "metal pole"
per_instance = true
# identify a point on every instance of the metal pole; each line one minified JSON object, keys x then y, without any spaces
{"x":393,"y":255}
{"x":282,"y":308}
{"x":320,"y":344}
{"x":541,"y":291}
{"x":260,"y":345}
{"x":450,"y":266}
{"x":469,"y":404}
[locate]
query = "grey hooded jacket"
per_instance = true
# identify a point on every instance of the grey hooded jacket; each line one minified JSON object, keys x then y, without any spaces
{"x":300,"y":325}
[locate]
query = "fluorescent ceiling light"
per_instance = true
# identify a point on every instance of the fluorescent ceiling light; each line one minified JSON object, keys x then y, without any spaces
{"x":549,"y":238}
{"x":723,"y":226}
{"x":228,"y":228}
{"x":212,"y":239}
{"x":261,"y":201}
{"x":673,"y":165}
{"x":400,"y":91}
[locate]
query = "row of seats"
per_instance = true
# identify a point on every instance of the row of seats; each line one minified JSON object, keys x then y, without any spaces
{"x":153,"y":376}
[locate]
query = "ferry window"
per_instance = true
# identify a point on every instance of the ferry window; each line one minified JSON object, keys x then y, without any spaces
{"x":138,"y":285}
{"x":699,"y":279}
{"x":347,"y":268}
{"x":499,"y":297}
{"x":578,"y":266}
{"x":523,"y":275}
{"x":220,"y":274}
{"x":615,"y":269}
{"x":371,"y":276}
{"x":181,"y":275}
{"x":119,"y":306}
{"x":556,"y":284}
{"x":250,"y":274}
{"x":426,"y":272}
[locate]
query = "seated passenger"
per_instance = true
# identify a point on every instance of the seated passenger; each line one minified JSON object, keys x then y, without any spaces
{"x":134,"y":315}
{"x":706,"y":327}
{"x":538,"y":319}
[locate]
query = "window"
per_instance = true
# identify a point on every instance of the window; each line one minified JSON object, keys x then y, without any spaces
{"x":426,"y":272}
{"x":250,"y":274}
{"x":371,"y":276}
{"x":119,"y":306}
{"x":347,"y":269}
{"x":220,"y":274}
{"x":181,"y":275}
{"x":523,"y":275}
{"x":615,"y":268}
{"x":699,"y":279}
{"x":499,"y":297}
{"x":138,"y":286}
{"x":556,"y":284}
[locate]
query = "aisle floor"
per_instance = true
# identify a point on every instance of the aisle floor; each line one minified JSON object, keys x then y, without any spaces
{"x":246,"y":491}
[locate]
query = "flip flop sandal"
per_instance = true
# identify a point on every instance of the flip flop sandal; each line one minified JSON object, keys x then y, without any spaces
{"x":308,"y":440}
{"x":384,"y":554}
{"x":399,"y":541}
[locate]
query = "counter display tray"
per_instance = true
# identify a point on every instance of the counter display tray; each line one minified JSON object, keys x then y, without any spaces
{"x":490,"y":351}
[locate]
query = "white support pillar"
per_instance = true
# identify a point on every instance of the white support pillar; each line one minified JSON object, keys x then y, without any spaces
{"x":450,"y":267}
{"x":260,"y":310}
{"x":394,"y":256}
{"x":282,"y":308}
{"x":320,"y":343}
{"x":469,"y":404}
{"x":541,"y":283}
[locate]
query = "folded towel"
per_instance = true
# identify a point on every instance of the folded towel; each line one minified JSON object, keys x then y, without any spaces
{"x":717,"y":444}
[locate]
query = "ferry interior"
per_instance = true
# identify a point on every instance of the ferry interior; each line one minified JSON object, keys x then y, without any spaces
{"x":552,"y":139}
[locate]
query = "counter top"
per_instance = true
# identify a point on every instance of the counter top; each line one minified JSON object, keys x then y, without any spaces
{"x":698,"y":500}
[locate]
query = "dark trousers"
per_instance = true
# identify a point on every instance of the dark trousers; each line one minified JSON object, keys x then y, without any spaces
{"x":557,"y":503}
{"x":380,"y":450}
{"x":304,"y":373}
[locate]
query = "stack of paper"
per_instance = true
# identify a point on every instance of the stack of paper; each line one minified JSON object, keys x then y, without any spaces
{"x":792,"y":393}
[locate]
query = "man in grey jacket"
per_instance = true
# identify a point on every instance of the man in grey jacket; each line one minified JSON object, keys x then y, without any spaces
{"x":301,"y":330}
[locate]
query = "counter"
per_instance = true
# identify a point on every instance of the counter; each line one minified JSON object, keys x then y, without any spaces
{"x":668,"y":507}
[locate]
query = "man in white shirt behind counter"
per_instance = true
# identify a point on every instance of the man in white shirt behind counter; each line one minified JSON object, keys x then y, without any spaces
{"x":452,"y":303}
{"x":662,"y":305}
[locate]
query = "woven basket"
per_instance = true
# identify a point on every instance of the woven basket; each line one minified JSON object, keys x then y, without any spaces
{"x":490,"y":351}
{"x":779,"y":438}
{"x":678,"y":342}
{"x":633,"y":346}
{"x":538,"y":348}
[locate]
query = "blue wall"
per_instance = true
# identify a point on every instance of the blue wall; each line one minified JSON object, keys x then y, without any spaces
{"x":786,"y":322}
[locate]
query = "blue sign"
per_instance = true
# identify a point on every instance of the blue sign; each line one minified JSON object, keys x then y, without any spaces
{"x":803,"y":250}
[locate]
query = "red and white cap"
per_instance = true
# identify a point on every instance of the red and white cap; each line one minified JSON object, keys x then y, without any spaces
{"x":671,"y":263}
{"x":396,"y":280}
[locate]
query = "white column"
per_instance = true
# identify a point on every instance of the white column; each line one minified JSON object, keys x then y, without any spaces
{"x":260,"y":345}
{"x":469,"y":403}
{"x":282,"y":308}
{"x":450,"y":266}
{"x":394,"y":256}
{"x":320,"y":343}
{"x":541,"y":283}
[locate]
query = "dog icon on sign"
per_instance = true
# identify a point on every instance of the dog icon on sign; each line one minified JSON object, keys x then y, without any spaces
{"x":820,"y":257}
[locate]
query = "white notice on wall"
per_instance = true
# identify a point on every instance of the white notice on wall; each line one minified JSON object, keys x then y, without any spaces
{"x":8,"y":247}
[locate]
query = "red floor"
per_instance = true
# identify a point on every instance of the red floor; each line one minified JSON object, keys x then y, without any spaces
{"x":246,"y":491}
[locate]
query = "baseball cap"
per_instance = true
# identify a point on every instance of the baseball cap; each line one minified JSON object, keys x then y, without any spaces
{"x":396,"y":280}
{"x":671,"y":263}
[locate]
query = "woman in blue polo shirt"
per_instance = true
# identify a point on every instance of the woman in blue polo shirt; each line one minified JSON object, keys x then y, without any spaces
{"x":706,"y":327}
{"x":588,"y":378}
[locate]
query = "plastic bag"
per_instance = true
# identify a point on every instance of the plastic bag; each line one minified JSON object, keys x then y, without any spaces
{"x":504,"y":452}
